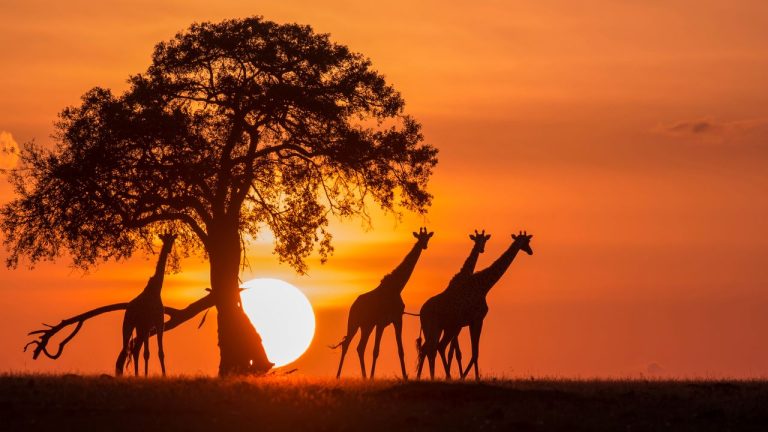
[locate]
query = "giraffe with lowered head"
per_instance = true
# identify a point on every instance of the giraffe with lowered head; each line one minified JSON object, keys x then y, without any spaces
{"x":468,"y":309}
{"x":381,"y":307}
{"x":145,"y":313}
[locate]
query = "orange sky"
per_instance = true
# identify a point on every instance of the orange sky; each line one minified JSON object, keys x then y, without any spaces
{"x":631,"y":139}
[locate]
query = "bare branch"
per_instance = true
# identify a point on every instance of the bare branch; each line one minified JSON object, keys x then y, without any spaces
{"x":176,"y":318}
{"x":41,"y":345}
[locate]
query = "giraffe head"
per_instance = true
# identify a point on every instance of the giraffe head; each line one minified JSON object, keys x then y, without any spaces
{"x":523,"y":241}
{"x":167,"y":237}
{"x":479,"y":238}
{"x":423,"y":237}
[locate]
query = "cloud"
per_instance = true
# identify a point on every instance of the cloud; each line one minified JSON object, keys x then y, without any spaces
{"x":9,"y":151}
{"x":738,"y":132}
{"x":695,"y":127}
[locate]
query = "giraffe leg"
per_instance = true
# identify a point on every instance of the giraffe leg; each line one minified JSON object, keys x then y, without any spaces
{"x":431,"y":359}
{"x":476,"y":353}
{"x":432,"y":353}
{"x":474,"y":333}
{"x":431,"y":336}
{"x":146,"y":355}
{"x":428,"y":351}
{"x":444,"y":340}
{"x":120,"y":363}
{"x":135,"y":350}
{"x":457,"y":349}
{"x":351,"y":331}
{"x":344,"y":347}
{"x":465,"y":372}
{"x":448,"y":337}
{"x":399,"y":338}
{"x":160,"y":353}
{"x":365,"y":333}
{"x":376,"y":343}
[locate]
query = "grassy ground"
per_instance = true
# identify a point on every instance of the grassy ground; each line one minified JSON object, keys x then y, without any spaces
{"x":60,"y":403}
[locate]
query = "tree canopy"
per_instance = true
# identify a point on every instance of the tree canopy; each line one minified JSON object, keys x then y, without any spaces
{"x":245,"y":123}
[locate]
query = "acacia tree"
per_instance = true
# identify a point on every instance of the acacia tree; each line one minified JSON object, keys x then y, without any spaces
{"x":236,"y":127}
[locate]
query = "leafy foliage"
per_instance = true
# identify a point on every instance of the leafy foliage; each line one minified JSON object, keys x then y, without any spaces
{"x":244,"y":122}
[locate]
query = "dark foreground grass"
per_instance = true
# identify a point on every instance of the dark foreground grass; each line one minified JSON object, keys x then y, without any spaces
{"x":61,"y":403}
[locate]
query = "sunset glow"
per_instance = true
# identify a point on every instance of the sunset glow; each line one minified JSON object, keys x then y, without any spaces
{"x":629,"y":137}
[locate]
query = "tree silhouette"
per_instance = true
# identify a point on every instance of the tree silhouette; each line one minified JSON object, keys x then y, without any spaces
{"x":235,"y":127}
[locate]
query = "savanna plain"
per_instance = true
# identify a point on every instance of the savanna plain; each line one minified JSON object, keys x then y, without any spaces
{"x":295,"y":403}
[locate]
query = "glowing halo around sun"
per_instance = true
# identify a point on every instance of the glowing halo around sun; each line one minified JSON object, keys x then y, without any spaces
{"x":282,"y":315}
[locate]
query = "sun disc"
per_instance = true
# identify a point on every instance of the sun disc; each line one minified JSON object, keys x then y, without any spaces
{"x":282,"y":315}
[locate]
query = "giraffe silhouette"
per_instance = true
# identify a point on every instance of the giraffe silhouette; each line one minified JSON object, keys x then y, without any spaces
{"x":465,"y":306}
{"x":144,"y":313}
{"x":381,"y":307}
{"x":457,"y":281}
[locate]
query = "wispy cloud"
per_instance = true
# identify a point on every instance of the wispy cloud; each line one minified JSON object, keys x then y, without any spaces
{"x":695,"y":127}
{"x":746,"y":131}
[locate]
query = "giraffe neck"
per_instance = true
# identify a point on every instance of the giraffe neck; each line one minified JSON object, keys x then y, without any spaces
{"x":487,"y":278}
{"x":471,"y":262}
{"x":400,"y":275}
{"x":155,"y":283}
{"x":460,"y":279}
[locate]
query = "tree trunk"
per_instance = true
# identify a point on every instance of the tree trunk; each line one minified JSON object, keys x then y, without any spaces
{"x":240,"y":345}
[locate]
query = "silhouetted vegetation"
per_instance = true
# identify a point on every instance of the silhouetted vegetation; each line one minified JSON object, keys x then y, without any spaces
{"x":235,"y":128}
{"x":291,"y":404}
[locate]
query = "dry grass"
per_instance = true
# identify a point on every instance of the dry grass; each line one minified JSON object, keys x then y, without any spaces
{"x":70,"y":402}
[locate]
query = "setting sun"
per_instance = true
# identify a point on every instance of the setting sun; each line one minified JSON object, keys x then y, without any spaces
{"x":282,"y":315}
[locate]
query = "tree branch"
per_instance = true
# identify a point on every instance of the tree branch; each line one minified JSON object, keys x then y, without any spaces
{"x":164,"y":216}
{"x":176,"y":318}
{"x":41,"y":345}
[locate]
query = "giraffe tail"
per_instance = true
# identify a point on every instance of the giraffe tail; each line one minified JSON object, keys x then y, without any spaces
{"x":344,"y":339}
{"x":419,"y":341}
